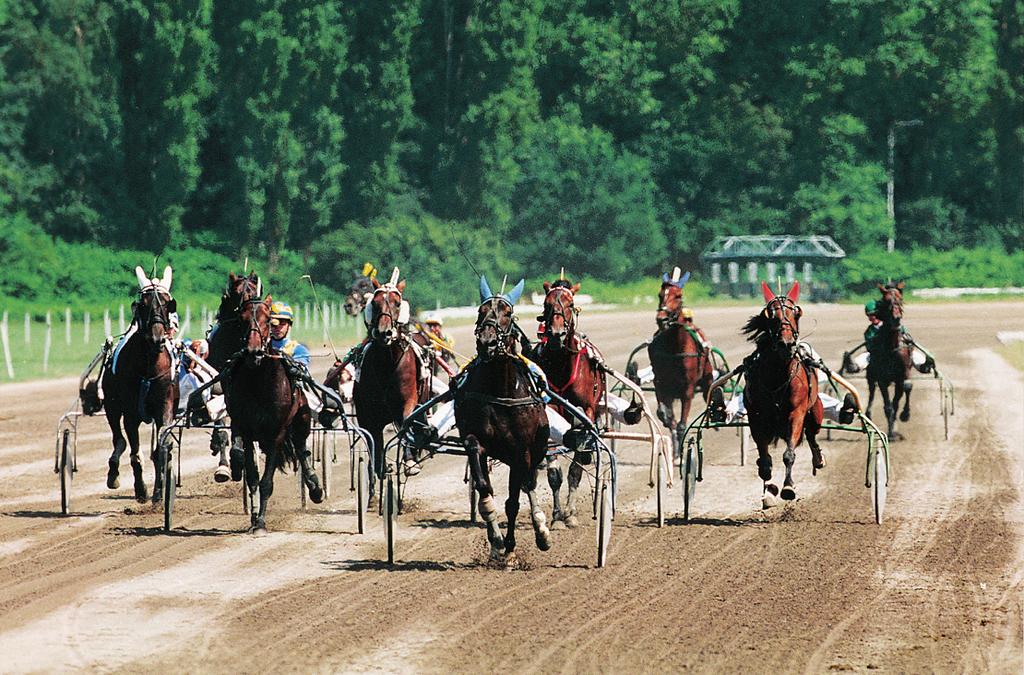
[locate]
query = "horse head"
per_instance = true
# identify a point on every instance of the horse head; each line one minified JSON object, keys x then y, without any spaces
{"x":240,"y":290}
{"x":890,"y":308}
{"x":361,"y":290}
{"x":559,"y":315}
{"x":384,"y":313}
{"x":255,"y":314}
{"x":495,"y":321}
{"x":778,"y":324}
{"x":155,"y":305}
{"x":670,"y":297}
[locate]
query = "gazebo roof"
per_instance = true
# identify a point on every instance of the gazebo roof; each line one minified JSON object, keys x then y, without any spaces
{"x":758,"y":247}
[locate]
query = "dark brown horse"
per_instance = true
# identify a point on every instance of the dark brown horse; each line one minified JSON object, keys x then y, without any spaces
{"x":226,"y":338}
{"x":890,"y":360}
{"x":679,"y":355}
{"x":500,"y":415}
{"x":141,"y":385}
{"x":571,"y":365}
{"x":391,"y":381}
{"x":781,"y":394}
{"x":268,"y":407}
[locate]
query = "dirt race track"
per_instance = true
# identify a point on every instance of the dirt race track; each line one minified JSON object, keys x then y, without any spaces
{"x":813,"y":586}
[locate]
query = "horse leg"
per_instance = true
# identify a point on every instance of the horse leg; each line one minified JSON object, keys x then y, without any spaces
{"x":252,"y":477}
{"x":575,"y":476}
{"x":299,"y":433}
{"x":219,"y":446}
{"x":770,"y":493}
{"x":120,"y":445}
{"x":871,"y":396}
{"x":515,"y":482}
{"x":540,"y":527}
{"x":908,"y":387}
{"x":266,"y":485}
{"x":890,"y":412}
{"x":812,"y":425}
{"x":788,"y":458}
{"x":485,"y":494}
{"x":554,"y":472}
{"x":131,"y":430}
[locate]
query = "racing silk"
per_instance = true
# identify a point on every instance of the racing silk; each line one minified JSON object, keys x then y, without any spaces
{"x":292,"y":348}
{"x":871,"y":337}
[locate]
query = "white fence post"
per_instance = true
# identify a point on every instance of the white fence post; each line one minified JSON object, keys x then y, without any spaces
{"x":7,"y":347}
{"x":120,"y":319}
{"x":46,"y":342}
{"x":28,"y":328}
{"x":310,"y":319}
{"x":106,"y":323}
{"x":67,"y":325}
{"x":86,"y":338}
{"x":188,"y":320}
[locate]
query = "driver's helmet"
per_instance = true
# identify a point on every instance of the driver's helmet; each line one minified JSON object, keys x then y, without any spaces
{"x":870,"y":307}
{"x":279,"y":312}
{"x":686,"y":313}
{"x":433,"y":319}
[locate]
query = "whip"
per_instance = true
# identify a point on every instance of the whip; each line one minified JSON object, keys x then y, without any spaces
{"x":316,"y":307}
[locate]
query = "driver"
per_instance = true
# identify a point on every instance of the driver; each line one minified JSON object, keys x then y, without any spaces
{"x":281,"y":319}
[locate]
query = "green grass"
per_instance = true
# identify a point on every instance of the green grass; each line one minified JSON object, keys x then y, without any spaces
{"x":1014,"y":353}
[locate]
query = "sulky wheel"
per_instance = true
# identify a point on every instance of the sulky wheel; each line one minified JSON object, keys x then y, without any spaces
{"x":661,"y":489}
{"x":390,"y":515}
{"x":689,"y":479}
{"x":880,"y":478}
{"x":604,"y":521}
{"x":362,"y":486}
{"x":67,"y":467}
{"x":169,"y":487}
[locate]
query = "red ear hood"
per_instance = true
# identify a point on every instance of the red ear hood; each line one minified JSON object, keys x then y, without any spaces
{"x":767,"y":290}
{"x":794,"y":293}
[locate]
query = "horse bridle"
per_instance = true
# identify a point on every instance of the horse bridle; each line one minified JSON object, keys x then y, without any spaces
{"x":243,"y":298}
{"x":783,"y":304}
{"x":156,"y":317}
{"x":253,"y":323}
{"x":395,"y":332}
{"x":503,"y":337}
{"x":671,"y":316}
{"x":567,"y":312}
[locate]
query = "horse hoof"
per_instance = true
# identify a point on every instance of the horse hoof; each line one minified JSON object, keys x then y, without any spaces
{"x":158,"y":495}
{"x":316,"y":493}
{"x":769,"y":501}
{"x":411,"y":468}
{"x":258,"y":530}
{"x":557,"y":525}
{"x":905,"y":416}
{"x":772,"y":489}
{"x":223,"y":474}
{"x":571,"y":521}
{"x":112,"y":481}
{"x":544,"y":539}
{"x":140,"y":494}
{"x":788,"y":493}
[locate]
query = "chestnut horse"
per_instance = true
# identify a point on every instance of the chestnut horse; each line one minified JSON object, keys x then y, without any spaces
{"x":568,"y":360}
{"x":781,"y":394}
{"x":500,"y":415}
{"x":267,"y":407}
{"x":679,"y":355}
{"x":391,"y":380}
{"x":141,"y":385}
{"x":890,"y":361}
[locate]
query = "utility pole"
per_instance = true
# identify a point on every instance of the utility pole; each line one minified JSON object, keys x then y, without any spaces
{"x":891,"y":191}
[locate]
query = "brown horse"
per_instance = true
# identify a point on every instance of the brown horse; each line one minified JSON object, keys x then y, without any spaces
{"x":268,"y":407}
{"x":500,"y":415}
{"x":679,"y":355}
{"x":391,"y":380}
{"x":571,"y":365}
{"x":226,"y":338}
{"x":781,"y":394}
{"x":141,"y":385}
{"x":890,"y":361}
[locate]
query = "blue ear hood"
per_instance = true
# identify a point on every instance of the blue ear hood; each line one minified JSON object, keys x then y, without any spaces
{"x":514,"y":295}
{"x":485,"y":289}
{"x":666,"y":279}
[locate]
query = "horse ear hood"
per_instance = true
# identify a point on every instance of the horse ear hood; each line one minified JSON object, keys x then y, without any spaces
{"x":794,"y":292}
{"x":767,"y":291}
{"x":485,"y":289}
{"x":514,"y":295}
{"x":141,"y":276}
{"x":166,"y":280}
{"x":683,"y":280}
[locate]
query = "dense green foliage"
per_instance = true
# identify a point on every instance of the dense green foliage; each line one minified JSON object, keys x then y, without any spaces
{"x":614,"y":138}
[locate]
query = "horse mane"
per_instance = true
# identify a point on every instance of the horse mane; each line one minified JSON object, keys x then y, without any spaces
{"x":562,"y":283}
{"x":756,"y":328}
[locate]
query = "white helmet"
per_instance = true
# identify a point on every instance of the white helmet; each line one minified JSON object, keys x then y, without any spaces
{"x":431,"y":317}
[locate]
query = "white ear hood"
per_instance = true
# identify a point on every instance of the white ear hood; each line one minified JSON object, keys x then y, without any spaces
{"x":394,"y":277}
{"x":165,"y":281}
{"x":141,"y":276}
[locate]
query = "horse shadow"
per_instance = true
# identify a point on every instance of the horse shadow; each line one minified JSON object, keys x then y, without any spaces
{"x":397,"y":566}
{"x":51,"y":514}
{"x":141,"y":531}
